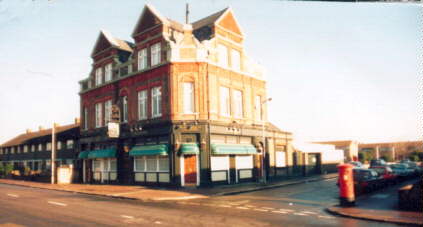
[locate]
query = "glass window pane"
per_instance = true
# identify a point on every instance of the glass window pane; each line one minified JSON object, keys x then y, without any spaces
{"x":164,"y":164}
{"x":139,"y":164}
{"x":151,"y":164}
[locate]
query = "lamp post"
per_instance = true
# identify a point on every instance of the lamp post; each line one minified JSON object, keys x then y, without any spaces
{"x":53,"y":154}
{"x":263,"y":174}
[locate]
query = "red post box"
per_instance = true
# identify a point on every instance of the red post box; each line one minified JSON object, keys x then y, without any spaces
{"x":346,"y":185}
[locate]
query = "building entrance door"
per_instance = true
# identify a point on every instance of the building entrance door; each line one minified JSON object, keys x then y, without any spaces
{"x":190,"y":169}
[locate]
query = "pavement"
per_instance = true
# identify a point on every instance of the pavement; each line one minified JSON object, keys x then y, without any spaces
{"x":381,"y":206}
{"x":161,"y":194}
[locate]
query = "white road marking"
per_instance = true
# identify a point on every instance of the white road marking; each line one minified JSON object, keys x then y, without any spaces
{"x":320,"y":216}
{"x":126,"y":216}
{"x":243,"y":208}
{"x":158,"y":222}
{"x":268,"y":208}
{"x":250,"y":206}
{"x":224,"y":206}
{"x":181,"y":197}
{"x":309,"y":212}
{"x":287,"y":210}
{"x":263,"y":210}
{"x":57,"y":203}
{"x":280,"y":212}
{"x":13,"y":195}
{"x":300,"y":214}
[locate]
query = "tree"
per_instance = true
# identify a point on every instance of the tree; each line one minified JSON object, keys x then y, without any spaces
{"x":365,"y":156}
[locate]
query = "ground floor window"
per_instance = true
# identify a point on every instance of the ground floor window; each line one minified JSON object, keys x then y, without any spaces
{"x":219,"y":166}
{"x":152,"y":168}
{"x":244,"y":167}
{"x":104,"y":169}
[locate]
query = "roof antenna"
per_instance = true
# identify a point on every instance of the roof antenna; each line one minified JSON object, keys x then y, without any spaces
{"x":186,"y":13}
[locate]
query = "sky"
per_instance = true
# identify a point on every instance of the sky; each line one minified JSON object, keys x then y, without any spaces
{"x":335,"y":71}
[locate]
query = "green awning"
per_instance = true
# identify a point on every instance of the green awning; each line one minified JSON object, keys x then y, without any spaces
{"x":190,"y":148}
{"x":233,"y":149}
{"x":103,"y":153}
{"x":83,"y":154}
{"x":160,"y":149}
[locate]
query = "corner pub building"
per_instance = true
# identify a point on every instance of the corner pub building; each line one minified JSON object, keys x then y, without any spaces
{"x":192,"y":107}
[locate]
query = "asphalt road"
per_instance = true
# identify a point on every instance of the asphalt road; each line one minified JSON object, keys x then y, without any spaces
{"x":296,"y":205}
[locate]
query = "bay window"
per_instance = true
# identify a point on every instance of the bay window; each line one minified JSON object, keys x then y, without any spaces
{"x":107,"y":111}
{"x":142,"y":104}
{"x":156,"y":106}
{"x":98,"y":114}
{"x":142,"y":59}
{"x":98,"y":76}
{"x":108,"y":71}
{"x":155,"y":54}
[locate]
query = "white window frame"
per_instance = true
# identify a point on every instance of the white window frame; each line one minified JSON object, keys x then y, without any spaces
{"x":142,"y":104}
{"x":222,"y":55}
{"x":125,"y":109}
{"x":189,"y":97}
{"x":156,"y":101}
{"x":69,"y":144}
{"x":238,"y":103}
{"x":85,"y":118}
{"x":48,"y":146}
{"x":98,"y":114}
{"x":40,"y":147}
{"x":225,"y":103}
{"x":59,"y":145}
{"x":155,"y":54}
{"x":142,"y":59}
{"x":98,"y":76}
{"x":236,"y":60}
{"x":107,"y":111}
{"x":108,"y":72}
{"x":157,"y":160}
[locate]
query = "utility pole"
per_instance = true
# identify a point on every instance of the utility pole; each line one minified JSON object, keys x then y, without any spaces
{"x":263,"y":173}
{"x":53,"y":154}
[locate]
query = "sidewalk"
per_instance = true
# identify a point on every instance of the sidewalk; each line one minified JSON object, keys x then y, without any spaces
{"x":160,"y":194}
{"x":380,"y":206}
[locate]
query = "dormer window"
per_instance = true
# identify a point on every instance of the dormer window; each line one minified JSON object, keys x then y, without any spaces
{"x":108,"y":76}
{"x":98,"y":76}
{"x":142,"y":59}
{"x":155,"y":54}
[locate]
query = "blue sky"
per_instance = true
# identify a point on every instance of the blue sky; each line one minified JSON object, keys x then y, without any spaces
{"x":335,"y":71}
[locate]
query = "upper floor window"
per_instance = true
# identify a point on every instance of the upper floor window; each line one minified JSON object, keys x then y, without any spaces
{"x":188,"y":97}
{"x":225,"y":104}
{"x":156,"y":94}
{"x":13,"y":150}
{"x":155,"y":54}
{"x":59,"y":145}
{"x":238,"y":108}
{"x":98,"y":114}
{"x":142,"y":104}
{"x":108,"y":111}
{"x":125,"y":109}
{"x":236,"y":60}
{"x":142,"y":58}
{"x":257,"y":107}
{"x":98,"y":76}
{"x":40,"y":147}
{"x":69,"y":144}
{"x":108,"y":71}
{"x":25,"y":149}
{"x":48,"y":147}
{"x":85,"y":118}
{"x":32,"y":148}
{"x":222,"y":55}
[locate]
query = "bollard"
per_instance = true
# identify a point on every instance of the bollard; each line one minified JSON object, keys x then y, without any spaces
{"x":346,"y":185}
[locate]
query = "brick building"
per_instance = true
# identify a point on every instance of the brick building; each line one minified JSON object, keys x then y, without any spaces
{"x":392,"y":150}
{"x":192,"y":107}
{"x":32,"y":150}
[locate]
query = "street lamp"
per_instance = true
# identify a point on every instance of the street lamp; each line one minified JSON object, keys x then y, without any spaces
{"x":264,"y":140}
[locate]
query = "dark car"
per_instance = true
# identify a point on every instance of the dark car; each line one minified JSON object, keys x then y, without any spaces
{"x":413,"y":166}
{"x":366,"y":180}
{"x":402,"y":170}
{"x":388,"y":175}
{"x":377,"y":162}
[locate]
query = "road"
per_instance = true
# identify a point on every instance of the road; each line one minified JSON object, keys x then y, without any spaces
{"x":296,"y":205}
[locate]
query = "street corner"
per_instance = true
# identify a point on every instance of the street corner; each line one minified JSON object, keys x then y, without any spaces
{"x":396,"y":217}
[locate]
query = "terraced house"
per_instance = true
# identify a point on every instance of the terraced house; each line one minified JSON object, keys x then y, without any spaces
{"x":32,"y":151}
{"x":191,"y":107}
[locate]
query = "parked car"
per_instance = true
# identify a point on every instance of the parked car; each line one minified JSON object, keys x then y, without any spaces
{"x":388,"y":175}
{"x":413,"y":166}
{"x":377,"y":162}
{"x":366,"y":180}
{"x":402,"y":170}
{"x":410,"y":196}
{"x":356,"y":164}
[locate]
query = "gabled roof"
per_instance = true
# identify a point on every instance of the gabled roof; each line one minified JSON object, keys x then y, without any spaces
{"x":148,"y":9}
{"x":22,"y":138}
{"x":106,"y":36}
{"x":209,"y":20}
